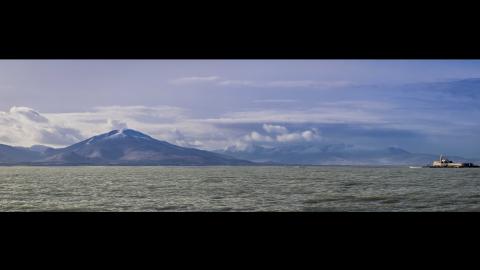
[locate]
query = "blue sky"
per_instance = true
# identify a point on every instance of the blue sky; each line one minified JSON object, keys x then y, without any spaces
{"x":422,"y":106}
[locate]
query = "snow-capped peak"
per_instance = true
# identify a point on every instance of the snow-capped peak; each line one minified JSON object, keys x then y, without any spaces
{"x":125,"y":132}
{"x":119,"y":134}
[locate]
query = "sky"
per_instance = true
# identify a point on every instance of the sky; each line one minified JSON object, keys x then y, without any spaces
{"x":422,"y":106}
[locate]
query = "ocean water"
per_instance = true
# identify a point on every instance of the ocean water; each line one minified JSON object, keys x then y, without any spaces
{"x":225,"y":188}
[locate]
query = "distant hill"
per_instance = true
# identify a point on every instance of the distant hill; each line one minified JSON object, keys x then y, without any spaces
{"x":118,"y":147}
{"x":334,"y":154}
{"x":10,"y":154}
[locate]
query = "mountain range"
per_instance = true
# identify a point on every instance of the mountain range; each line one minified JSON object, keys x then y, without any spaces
{"x":130,"y":147}
{"x":117,"y":147}
{"x":334,"y":154}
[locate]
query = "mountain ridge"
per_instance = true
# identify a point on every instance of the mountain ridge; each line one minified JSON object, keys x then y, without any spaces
{"x":120,"y":147}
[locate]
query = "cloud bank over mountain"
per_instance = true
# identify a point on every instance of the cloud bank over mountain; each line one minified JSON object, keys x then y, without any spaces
{"x":419,"y":117}
{"x":24,"y":126}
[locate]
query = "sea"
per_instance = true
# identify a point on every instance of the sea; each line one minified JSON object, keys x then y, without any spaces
{"x":238,"y":188}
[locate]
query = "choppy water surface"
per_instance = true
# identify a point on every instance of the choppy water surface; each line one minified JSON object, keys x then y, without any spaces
{"x":315,"y":188}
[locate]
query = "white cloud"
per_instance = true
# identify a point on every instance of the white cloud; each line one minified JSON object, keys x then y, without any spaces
{"x":217,"y":80}
{"x":253,"y":138}
{"x":28,"y":113}
{"x":275,"y":101}
{"x":274,"y":128}
{"x":291,"y":137}
{"x":326,"y":115}
{"x":257,"y":137}
{"x":236,"y":83}
{"x":24,"y":126}
{"x":115,"y":124}
{"x":307,"y":135}
{"x":299,"y":83}
{"x":194,"y":80}
{"x":358,"y":105}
